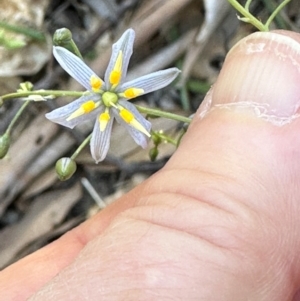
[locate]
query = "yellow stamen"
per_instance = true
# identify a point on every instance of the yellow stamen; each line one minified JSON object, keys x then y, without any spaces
{"x":103,"y":120}
{"x":88,"y":106}
{"x":116,"y":73}
{"x":96,"y":83}
{"x":133,"y":92}
{"x":128,"y":117}
{"x":83,"y":109}
{"x":139,"y":127}
{"x":115,"y":77}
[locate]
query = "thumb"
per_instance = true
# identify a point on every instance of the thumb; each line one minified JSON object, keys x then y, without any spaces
{"x":244,"y":146}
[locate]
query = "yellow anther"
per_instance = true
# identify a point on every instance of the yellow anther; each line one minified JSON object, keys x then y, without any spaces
{"x":133,"y":92}
{"x":96,"y":83}
{"x":116,"y":73}
{"x":103,"y":120}
{"x":126,"y":115}
{"x":83,"y":109}
{"x":115,"y":77}
{"x":88,"y":106}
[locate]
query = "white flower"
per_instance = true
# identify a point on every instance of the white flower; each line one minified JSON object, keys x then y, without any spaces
{"x":108,"y":100}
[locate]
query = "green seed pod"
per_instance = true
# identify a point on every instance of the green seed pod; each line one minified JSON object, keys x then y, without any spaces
{"x":62,"y":37}
{"x":153,"y":153}
{"x":65,"y":168}
{"x":4,"y":145}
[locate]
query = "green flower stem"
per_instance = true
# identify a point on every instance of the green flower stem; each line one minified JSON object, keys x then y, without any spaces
{"x":75,"y":49}
{"x":16,"y":117}
{"x":250,"y":18}
{"x":165,"y":138}
{"x":279,"y":20}
{"x":276,"y":11}
{"x":163,"y":114}
{"x":247,"y":5}
{"x":81,"y":147}
{"x":42,"y":93}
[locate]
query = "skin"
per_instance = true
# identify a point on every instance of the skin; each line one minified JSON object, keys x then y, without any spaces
{"x":219,"y":222}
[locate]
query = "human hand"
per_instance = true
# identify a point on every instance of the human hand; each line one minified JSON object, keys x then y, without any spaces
{"x":219,"y":222}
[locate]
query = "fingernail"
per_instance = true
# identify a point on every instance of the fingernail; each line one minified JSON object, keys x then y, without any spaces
{"x":261,"y":72}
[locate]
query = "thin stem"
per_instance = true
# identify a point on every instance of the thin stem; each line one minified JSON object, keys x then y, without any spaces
{"x":275,"y":12}
{"x":16,"y":117}
{"x":75,"y":49}
{"x":247,"y":5}
{"x":160,"y":113}
{"x":166,"y":138}
{"x":279,"y":20}
{"x":249,"y":17}
{"x":42,"y":93}
{"x":81,"y":147}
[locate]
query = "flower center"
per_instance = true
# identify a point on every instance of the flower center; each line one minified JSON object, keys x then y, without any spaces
{"x":109,"y":98}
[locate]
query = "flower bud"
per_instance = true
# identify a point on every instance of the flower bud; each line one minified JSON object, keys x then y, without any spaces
{"x":65,"y":168}
{"x":153,"y":153}
{"x":4,"y":145}
{"x":62,"y":36}
{"x":156,"y":139}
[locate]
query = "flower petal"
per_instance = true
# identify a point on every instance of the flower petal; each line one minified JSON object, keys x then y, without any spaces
{"x":153,"y":81}
{"x":74,"y":66}
{"x":140,"y":138}
{"x":61,"y":114}
{"x":100,"y":141}
{"x":124,"y":44}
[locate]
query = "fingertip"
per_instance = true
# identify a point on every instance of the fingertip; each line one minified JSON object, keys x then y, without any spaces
{"x":263,"y":72}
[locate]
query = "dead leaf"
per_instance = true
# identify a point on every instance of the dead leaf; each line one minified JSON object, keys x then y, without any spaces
{"x":46,"y":211}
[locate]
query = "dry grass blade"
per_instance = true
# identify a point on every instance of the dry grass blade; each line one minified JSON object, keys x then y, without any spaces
{"x":216,"y":10}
